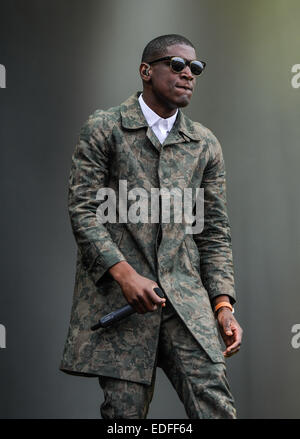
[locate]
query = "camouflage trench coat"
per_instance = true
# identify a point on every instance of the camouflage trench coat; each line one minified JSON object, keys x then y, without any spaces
{"x":192,"y":269}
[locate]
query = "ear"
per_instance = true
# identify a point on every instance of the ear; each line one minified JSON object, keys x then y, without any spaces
{"x":145,"y":71}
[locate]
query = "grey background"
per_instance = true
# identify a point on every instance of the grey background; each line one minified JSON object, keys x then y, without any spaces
{"x":66,"y":58}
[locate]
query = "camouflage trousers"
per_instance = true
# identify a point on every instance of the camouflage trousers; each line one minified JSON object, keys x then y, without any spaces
{"x":201,"y":385}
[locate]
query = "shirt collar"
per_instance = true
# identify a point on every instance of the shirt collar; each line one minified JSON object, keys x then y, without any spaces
{"x":132,"y":118}
{"x":152,"y":118}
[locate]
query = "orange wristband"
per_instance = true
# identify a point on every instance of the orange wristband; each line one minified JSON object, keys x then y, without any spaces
{"x":221,"y":304}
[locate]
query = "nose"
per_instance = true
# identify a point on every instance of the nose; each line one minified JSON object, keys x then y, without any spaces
{"x":187,"y":74}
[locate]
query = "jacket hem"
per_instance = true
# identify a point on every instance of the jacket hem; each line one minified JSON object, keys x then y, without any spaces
{"x":106,"y":374}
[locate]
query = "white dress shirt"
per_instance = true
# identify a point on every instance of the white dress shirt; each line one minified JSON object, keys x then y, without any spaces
{"x":160,"y":126}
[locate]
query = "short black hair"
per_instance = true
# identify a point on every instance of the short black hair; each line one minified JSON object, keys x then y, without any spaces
{"x":157,"y":47}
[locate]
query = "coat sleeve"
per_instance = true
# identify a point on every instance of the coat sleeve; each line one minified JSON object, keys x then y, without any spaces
{"x":214,"y":242}
{"x":89,"y":173}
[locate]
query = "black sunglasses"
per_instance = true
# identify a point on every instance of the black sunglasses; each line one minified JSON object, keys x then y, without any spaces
{"x":177,"y":64}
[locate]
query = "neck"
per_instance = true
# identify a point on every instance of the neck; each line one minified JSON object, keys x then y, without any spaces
{"x":160,"y":108}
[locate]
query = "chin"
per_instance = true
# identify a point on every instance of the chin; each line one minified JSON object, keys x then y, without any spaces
{"x":183,"y":102}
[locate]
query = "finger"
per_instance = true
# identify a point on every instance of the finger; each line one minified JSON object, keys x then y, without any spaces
{"x":139,"y":306}
{"x":230,"y":353}
{"x":236,"y":338}
{"x":155,"y":297}
{"x":228,"y":341}
{"x":232,"y":348}
{"x":233,"y":345}
{"x":147,"y":304}
{"x":227,"y":328}
{"x":145,"y":299}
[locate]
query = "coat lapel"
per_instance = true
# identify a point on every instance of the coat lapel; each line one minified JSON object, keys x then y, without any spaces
{"x":132,"y":118}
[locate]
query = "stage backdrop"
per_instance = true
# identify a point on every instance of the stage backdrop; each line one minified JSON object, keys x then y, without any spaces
{"x":61,"y":60}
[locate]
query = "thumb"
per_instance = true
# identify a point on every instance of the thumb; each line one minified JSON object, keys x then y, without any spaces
{"x":227,"y":328}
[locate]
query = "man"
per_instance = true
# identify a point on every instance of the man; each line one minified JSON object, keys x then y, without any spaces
{"x":147,"y":142}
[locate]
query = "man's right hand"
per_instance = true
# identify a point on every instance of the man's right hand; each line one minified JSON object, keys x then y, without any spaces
{"x":137,"y":289}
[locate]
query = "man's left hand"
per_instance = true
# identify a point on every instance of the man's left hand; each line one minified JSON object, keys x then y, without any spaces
{"x":230,"y":330}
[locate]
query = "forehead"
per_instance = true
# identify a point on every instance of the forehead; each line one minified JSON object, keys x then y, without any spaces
{"x":186,"y":52}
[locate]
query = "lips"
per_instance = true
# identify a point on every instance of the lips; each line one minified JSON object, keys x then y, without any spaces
{"x":184,"y":87}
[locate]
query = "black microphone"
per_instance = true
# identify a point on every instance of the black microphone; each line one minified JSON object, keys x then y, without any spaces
{"x":115,"y":316}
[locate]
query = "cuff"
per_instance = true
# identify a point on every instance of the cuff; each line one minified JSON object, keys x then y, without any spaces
{"x":101,"y":265}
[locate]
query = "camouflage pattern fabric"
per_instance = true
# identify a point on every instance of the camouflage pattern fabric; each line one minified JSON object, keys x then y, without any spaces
{"x":114,"y":145}
{"x":202,"y":386}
